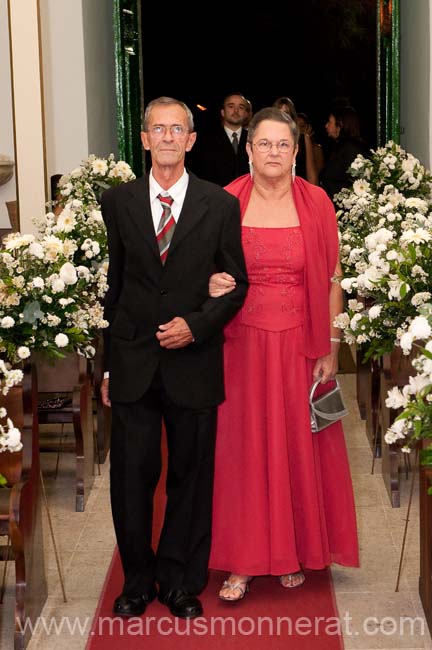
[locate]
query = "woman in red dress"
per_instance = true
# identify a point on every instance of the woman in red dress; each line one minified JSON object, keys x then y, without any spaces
{"x":283,"y":496}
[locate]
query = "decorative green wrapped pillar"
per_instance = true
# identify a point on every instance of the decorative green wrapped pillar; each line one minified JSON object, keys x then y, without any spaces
{"x":128,"y":61}
{"x":388,"y":71}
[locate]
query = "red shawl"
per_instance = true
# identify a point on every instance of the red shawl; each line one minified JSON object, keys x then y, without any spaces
{"x":318,"y":223}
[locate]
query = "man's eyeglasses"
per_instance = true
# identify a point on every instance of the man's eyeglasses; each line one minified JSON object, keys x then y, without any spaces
{"x":176,"y":130}
{"x":264,"y":146}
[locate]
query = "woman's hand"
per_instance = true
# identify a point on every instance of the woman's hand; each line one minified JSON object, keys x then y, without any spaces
{"x":327,"y":367}
{"x":220,"y":284}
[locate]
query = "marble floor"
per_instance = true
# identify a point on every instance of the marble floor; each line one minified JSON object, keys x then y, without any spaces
{"x":373,"y":615}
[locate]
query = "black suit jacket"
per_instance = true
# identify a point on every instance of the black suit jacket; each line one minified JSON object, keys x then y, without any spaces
{"x":143,"y":294}
{"x":213,"y":157}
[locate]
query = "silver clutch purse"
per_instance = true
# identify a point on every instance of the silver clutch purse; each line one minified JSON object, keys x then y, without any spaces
{"x":326,"y":409}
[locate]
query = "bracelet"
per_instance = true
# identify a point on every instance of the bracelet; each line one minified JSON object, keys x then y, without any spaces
{"x":334,"y":340}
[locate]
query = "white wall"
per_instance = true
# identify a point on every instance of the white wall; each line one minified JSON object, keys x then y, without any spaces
{"x":8,"y":190}
{"x":416,"y":79}
{"x":100,"y":77}
{"x":79,"y":86}
{"x":64,"y":84}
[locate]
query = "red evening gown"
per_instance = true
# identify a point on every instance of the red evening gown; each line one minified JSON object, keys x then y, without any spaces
{"x":282,"y":495}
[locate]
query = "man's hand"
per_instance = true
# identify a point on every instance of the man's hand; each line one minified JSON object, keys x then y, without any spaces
{"x":220,"y":284}
{"x":104,"y":389}
{"x":175,"y":334}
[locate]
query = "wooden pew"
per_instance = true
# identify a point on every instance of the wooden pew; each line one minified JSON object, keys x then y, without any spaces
{"x":396,"y":370}
{"x":70,"y":377}
{"x":20,"y":509}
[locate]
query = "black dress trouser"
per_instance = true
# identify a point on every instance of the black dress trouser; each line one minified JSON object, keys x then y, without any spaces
{"x":181,"y":559}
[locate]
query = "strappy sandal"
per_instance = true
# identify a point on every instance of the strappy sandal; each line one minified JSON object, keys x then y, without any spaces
{"x":241,"y":586}
{"x":291,"y":580}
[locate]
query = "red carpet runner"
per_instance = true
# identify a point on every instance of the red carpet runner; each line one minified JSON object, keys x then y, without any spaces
{"x":305,"y":618}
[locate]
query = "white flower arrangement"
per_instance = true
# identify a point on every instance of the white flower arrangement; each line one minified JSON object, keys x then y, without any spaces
{"x":52,"y":284}
{"x":10,"y":436}
{"x":415,"y":398}
{"x":386,"y":230}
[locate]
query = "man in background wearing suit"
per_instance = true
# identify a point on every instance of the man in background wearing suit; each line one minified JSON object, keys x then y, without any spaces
{"x":220,"y":155}
{"x":167,"y":233}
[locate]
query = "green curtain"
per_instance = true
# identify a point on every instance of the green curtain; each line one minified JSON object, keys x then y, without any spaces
{"x":388,"y":71}
{"x":128,"y":61}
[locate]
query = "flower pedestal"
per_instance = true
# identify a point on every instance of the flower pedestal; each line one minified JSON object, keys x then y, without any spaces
{"x":396,"y":370}
{"x":20,"y":511}
{"x":71,"y":379}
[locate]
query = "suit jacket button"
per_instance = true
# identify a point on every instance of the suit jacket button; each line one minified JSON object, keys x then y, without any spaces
{"x":163,"y":292}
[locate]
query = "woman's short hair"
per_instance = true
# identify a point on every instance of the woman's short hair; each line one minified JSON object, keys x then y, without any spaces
{"x":274,"y":115}
{"x":286,"y":104}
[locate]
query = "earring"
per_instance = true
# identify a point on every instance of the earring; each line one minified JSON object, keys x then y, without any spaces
{"x":251,"y":169}
{"x":293,"y":170}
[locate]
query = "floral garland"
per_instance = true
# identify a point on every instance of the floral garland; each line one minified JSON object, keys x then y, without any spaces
{"x":415,"y":421}
{"x":386,"y":229}
{"x":52,"y":285}
{"x":10,"y":436}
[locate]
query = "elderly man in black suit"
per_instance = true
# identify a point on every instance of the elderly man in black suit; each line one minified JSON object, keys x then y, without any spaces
{"x":167,"y":233}
{"x":220,"y":154}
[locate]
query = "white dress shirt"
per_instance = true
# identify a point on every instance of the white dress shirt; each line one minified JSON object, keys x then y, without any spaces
{"x":229,"y":133}
{"x":177,"y":192}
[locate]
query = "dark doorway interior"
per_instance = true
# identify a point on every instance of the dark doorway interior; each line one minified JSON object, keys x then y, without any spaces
{"x":313,"y":51}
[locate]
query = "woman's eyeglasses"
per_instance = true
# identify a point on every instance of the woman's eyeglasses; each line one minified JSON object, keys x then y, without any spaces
{"x":264,"y":146}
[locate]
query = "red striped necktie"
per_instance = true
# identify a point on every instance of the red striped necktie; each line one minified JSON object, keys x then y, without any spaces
{"x":166,"y":227}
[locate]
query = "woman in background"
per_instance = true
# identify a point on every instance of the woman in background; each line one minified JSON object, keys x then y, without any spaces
{"x":343,"y":127}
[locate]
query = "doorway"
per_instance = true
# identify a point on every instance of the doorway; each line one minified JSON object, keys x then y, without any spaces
{"x":314,"y":52}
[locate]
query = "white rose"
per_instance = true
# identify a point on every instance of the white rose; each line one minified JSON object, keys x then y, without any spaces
{"x":406,"y":342}
{"x":61,"y":340}
{"x":58,"y":285}
{"x":374,"y":312}
{"x":68,"y":273}
{"x":38,"y":282}
{"x":7,"y":322}
{"x":13,"y":437}
{"x":346,"y":284}
{"x":36,"y":250}
{"x":96,"y":215}
{"x":396,"y":399}
{"x":417,"y":383}
{"x":420,"y":328}
{"x":23,"y":352}
{"x":354,"y":321}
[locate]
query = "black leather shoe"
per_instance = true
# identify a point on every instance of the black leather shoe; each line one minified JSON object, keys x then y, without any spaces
{"x":133,"y":605}
{"x":181,"y":603}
